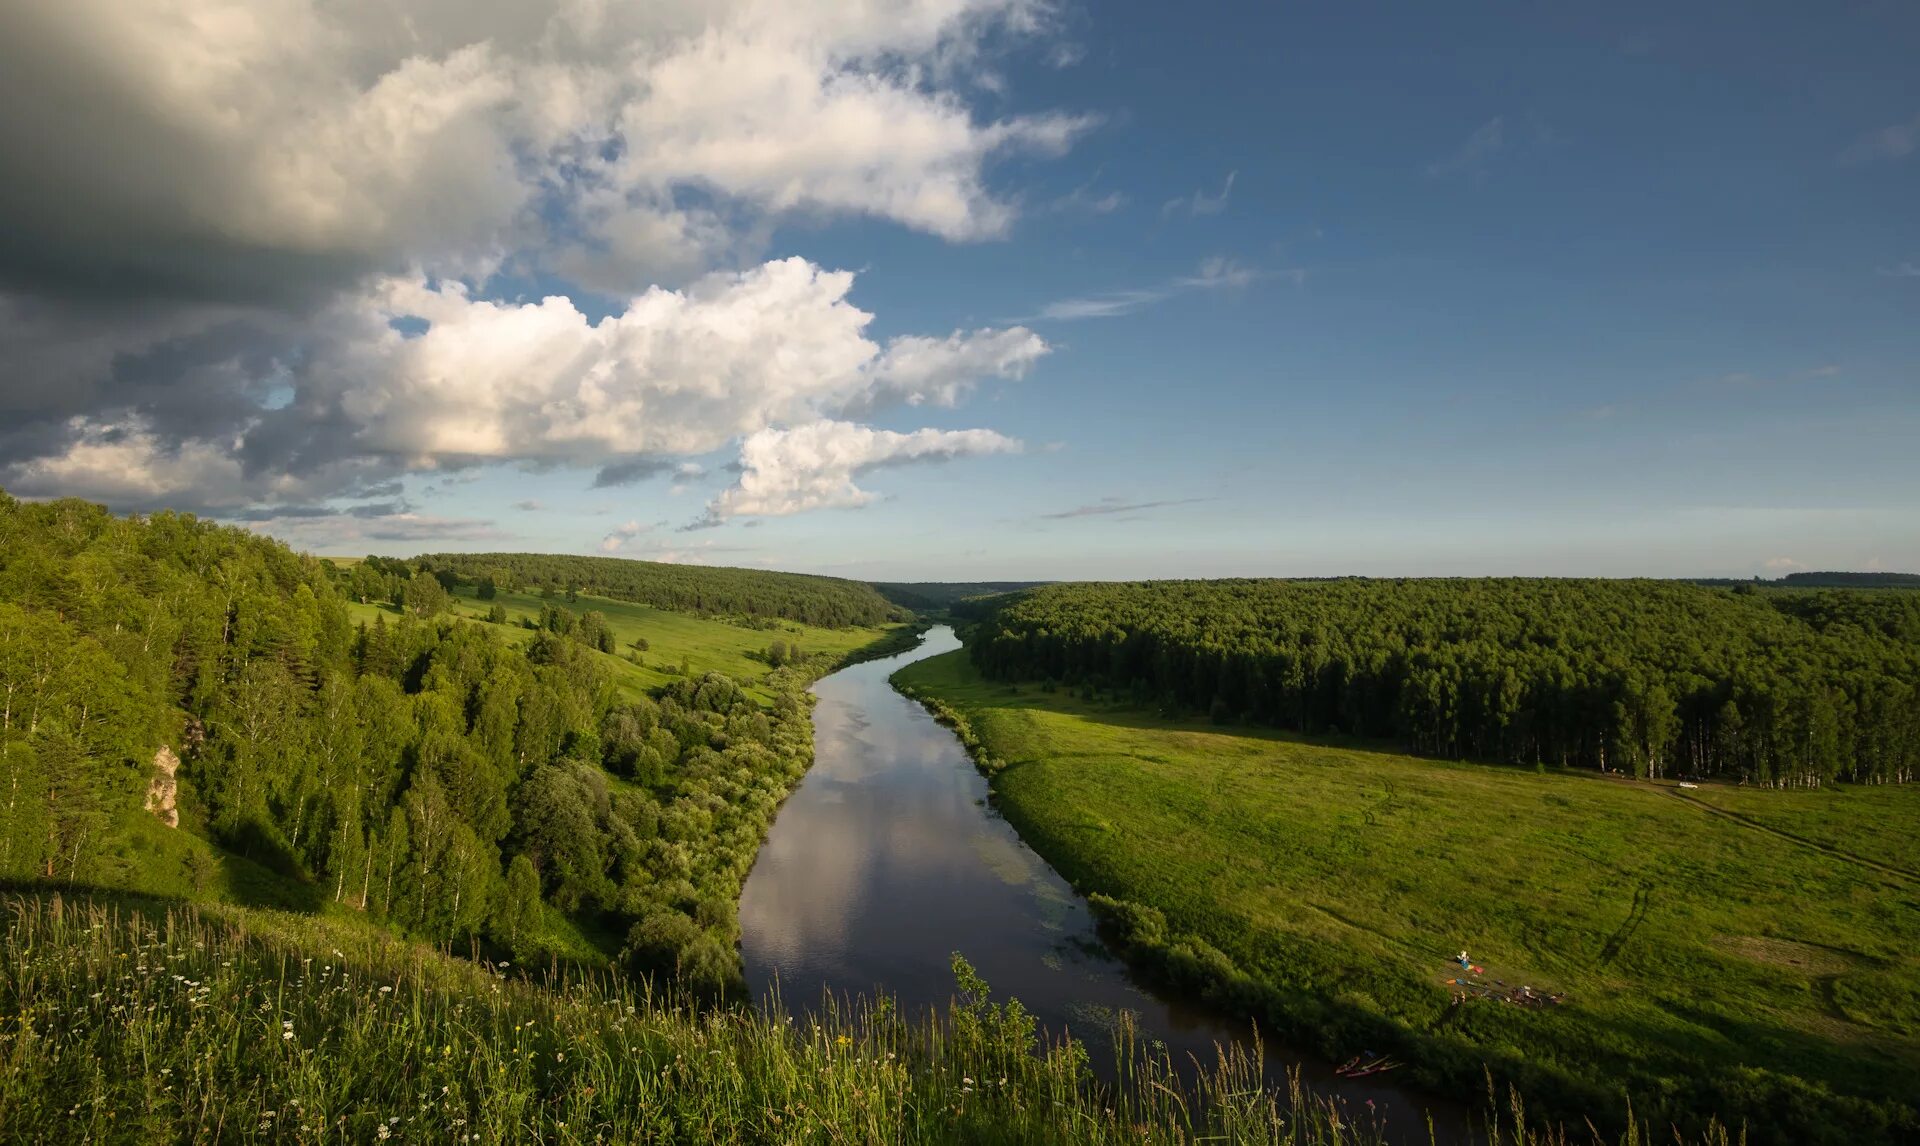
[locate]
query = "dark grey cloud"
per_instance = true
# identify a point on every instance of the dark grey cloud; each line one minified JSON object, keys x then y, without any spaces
{"x":1112,"y":505}
{"x":629,"y":472}
{"x":62,"y":361}
{"x":216,"y":222}
{"x":287,"y":512}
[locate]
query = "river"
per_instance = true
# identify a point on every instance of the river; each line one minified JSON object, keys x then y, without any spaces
{"x":887,"y":859}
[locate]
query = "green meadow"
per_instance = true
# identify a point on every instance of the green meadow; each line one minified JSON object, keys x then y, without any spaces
{"x":1873,"y":825}
{"x":1752,"y":953}
{"x":700,"y":644}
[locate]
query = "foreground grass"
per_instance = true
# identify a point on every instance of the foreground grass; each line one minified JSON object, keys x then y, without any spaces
{"x":701,"y":644}
{"x":137,"y":1022}
{"x":1711,"y":965}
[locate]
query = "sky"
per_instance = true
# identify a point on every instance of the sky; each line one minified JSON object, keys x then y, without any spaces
{"x":976,"y":289}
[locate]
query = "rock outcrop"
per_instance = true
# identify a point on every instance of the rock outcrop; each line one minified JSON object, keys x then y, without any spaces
{"x":163,"y":789}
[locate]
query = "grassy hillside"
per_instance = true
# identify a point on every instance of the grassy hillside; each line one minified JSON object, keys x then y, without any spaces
{"x":700,"y":644}
{"x":1873,"y":824}
{"x":138,"y":853}
{"x":1766,"y":966}
{"x":708,"y":590}
{"x":128,"y":1020}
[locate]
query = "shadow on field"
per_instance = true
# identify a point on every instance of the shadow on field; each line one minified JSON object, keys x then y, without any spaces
{"x":258,"y":870}
{"x":1872,"y":1090}
{"x":142,"y":903}
{"x":251,"y":884}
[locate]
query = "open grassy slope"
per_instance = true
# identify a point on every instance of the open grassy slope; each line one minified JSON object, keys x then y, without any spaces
{"x":144,"y":856}
{"x":1710,"y":963}
{"x":703,"y":644}
{"x":713,"y":590}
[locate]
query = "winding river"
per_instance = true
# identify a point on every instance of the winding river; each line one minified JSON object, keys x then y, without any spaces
{"x":887,"y":859}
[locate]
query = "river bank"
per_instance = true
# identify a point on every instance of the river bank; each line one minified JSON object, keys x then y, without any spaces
{"x":1324,"y":887}
{"x":887,"y":859}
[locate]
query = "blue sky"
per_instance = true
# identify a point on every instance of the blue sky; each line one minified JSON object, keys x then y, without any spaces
{"x":1230,"y":289}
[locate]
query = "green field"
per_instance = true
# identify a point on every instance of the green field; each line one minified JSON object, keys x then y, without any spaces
{"x":703,"y":644}
{"x":1872,"y":824}
{"x":1765,"y":965}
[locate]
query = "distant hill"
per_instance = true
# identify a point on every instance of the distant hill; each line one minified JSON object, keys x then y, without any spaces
{"x":827,"y":601}
{"x":931,"y":596}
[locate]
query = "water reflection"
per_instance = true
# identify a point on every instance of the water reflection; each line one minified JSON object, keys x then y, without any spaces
{"x":886,"y":860}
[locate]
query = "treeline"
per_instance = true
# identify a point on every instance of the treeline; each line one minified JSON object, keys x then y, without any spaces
{"x":419,"y":590}
{"x":1655,"y":678}
{"x":933,"y":596}
{"x":826,"y":601}
{"x":1829,"y":580}
{"x":426,"y":772}
{"x":1852,"y":580}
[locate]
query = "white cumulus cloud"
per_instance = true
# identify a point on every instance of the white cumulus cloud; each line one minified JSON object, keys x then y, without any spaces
{"x":786,"y":471}
{"x":677,"y":373}
{"x":621,"y":534}
{"x":249,"y":245}
{"x":126,"y":463}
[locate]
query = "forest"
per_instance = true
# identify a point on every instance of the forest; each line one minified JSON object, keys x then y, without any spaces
{"x":826,"y":601}
{"x":429,"y":773}
{"x":1650,"y":678}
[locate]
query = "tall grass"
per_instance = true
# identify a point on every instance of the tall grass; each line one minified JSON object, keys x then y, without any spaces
{"x":129,"y":1023}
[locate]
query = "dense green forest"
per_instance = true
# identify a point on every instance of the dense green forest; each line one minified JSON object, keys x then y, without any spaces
{"x":428,"y":772}
{"x":826,"y":601}
{"x":1649,"y":677}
